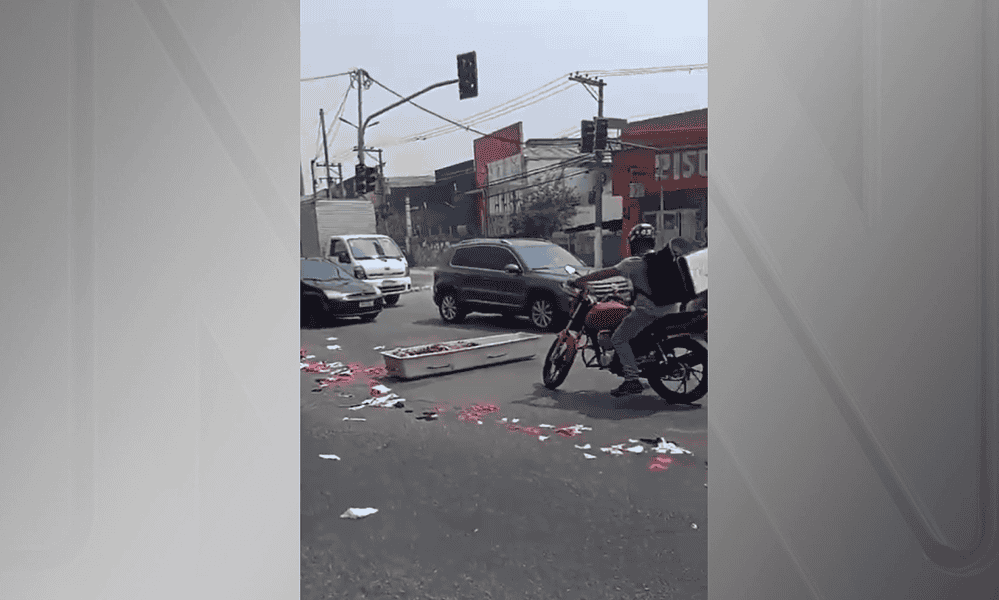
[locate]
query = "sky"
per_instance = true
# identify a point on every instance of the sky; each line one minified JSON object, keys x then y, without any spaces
{"x":522,"y":48}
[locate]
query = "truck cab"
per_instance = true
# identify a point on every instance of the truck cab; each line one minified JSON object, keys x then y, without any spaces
{"x":375,"y":259}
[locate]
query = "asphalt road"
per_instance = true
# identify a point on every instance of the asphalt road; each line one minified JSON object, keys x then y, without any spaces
{"x":490,"y":510}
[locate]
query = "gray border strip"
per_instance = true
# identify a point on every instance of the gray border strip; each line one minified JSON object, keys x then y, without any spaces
{"x":982,"y":554}
{"x":262,"y":189}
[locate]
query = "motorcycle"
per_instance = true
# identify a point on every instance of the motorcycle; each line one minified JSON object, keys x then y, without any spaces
{"x":668,"y":356}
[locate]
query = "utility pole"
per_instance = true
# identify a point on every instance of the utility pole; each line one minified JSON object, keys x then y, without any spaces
{"x":598,"y":218}
{"x":313,"y":171}
{"x":339,"y":169}
{"x":359,"y":73}
{"x":326,"y":154}
{"x":409,"y":224}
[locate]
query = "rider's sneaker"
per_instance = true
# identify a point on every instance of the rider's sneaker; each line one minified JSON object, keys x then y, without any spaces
{"x":630,"y":386}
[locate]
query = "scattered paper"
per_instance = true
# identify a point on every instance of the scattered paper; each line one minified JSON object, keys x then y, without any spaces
{"x":311,"y":356}
{"x":514,"y":420}
{"x":353,"y":419}
{"x":665,"y":446}
{"x":543,"y":437}
{"x":636,"y":449}
{"x":381,"y":389}
{"x":358,"y":513}
{"x":585,"y":455}
{"x":378,"y":348}
{"x":331,"y":339}
{"x":329,"y":456}
{"x":633,"y":441}
{"x":572,"y":430}
{"x":693,"y":525}
{"x":334,"y":347}
{"x":583,"y":447}
{"x":503,"y":420}
{"x":546,"y":426}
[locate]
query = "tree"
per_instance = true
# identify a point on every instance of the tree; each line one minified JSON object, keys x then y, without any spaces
{"x":549,"y":208}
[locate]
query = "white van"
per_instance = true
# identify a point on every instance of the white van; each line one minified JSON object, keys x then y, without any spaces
{"x":376,"y":259}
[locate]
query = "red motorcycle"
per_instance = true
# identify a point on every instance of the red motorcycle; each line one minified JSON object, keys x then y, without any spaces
{"x":673,"y":362}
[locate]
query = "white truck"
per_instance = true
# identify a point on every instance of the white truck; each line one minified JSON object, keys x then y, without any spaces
{"x":344,"y":231}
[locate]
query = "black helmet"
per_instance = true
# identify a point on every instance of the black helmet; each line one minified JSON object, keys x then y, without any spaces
{"x":642,"y":232}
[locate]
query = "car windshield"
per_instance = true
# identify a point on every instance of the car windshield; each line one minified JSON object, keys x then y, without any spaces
{"x":316,"y":270}
{"x":548,"y":257}
{"x":379,"y":247}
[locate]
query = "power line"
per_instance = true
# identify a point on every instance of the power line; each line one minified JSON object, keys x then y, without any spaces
{"x":546,"y":91}
{"x":326,"y":76}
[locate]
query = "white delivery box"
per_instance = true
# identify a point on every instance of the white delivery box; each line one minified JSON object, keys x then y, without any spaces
{"x":696,"y":264}
{"x":459,"y":355}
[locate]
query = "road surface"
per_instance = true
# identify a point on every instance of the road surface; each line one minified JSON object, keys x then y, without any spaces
{"x":500,"y":509}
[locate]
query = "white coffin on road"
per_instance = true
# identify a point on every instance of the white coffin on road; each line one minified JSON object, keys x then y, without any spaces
{"x":489,"y":350}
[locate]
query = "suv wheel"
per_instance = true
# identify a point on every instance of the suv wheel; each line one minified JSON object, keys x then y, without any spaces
{"x":543,"y":312}
{"x":450,"y":309}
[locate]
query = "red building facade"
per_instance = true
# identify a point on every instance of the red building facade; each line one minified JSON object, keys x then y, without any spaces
{"x":662,"y":175}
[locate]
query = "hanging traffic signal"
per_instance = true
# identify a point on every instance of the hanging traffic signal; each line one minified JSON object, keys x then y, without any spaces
{"x":468,"y":76}
{"x":587,"y":131}
{"x":371,"y":179}
{"x":600,"y":134}
{"x":360,"y":180}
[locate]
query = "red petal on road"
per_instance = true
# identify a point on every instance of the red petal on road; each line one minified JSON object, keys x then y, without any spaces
{"x":660,"y":463}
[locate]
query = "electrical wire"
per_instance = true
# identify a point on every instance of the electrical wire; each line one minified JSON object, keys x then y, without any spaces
{"x":325,"y":76}
{"x":544,"y":93}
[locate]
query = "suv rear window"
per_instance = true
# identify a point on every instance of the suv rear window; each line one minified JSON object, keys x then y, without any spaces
{"x":483,"y":257}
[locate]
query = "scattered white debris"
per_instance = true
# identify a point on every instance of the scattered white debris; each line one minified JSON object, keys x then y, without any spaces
{"x":547,"y":426}
{"x":329,"y":456}
{"x":583,"y":447}
{"x":380,"y":388}
{"x":353,"y":419}
{"x":358,"y":513}
{"x":633,"y":441}
{"x":665,"y":446}
{"x":334,"y":347}
{"x":331,"y":339}
{"x":311,"y":356}
{"x":391,"y":400}
{"x":693,"y":525}
{"x":636,"y":449}
{"x":378,"y":348}
{"x":585,"y":455}
{"x":514,"y":420}
{"x":503,"y":420}
{"x":543,"y":437}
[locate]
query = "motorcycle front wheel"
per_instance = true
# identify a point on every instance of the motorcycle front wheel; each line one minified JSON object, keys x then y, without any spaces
{"x":558,"y":361}
{"x":681,"y":377}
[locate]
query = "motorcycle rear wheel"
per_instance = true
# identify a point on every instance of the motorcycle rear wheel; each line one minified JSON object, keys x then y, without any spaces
{"x":558,"y":362}
{"x":684,"y":360}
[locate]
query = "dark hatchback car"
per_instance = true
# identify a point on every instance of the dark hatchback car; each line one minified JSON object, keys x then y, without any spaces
{"x":329,"y":290}
{"x":512,"y":277}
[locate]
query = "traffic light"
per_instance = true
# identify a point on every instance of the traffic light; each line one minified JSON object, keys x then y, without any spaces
{"x":468,"y":76}
{"x":371,"y":179}
{"x":600,"y":134}
{"x":360,"y":181}
{"x":588,"y":131}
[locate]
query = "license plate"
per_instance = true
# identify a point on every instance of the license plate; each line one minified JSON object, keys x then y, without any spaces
{"x":367,"y":304}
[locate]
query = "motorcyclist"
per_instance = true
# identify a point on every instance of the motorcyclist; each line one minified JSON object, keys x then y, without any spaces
{"x":644,"y":311}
